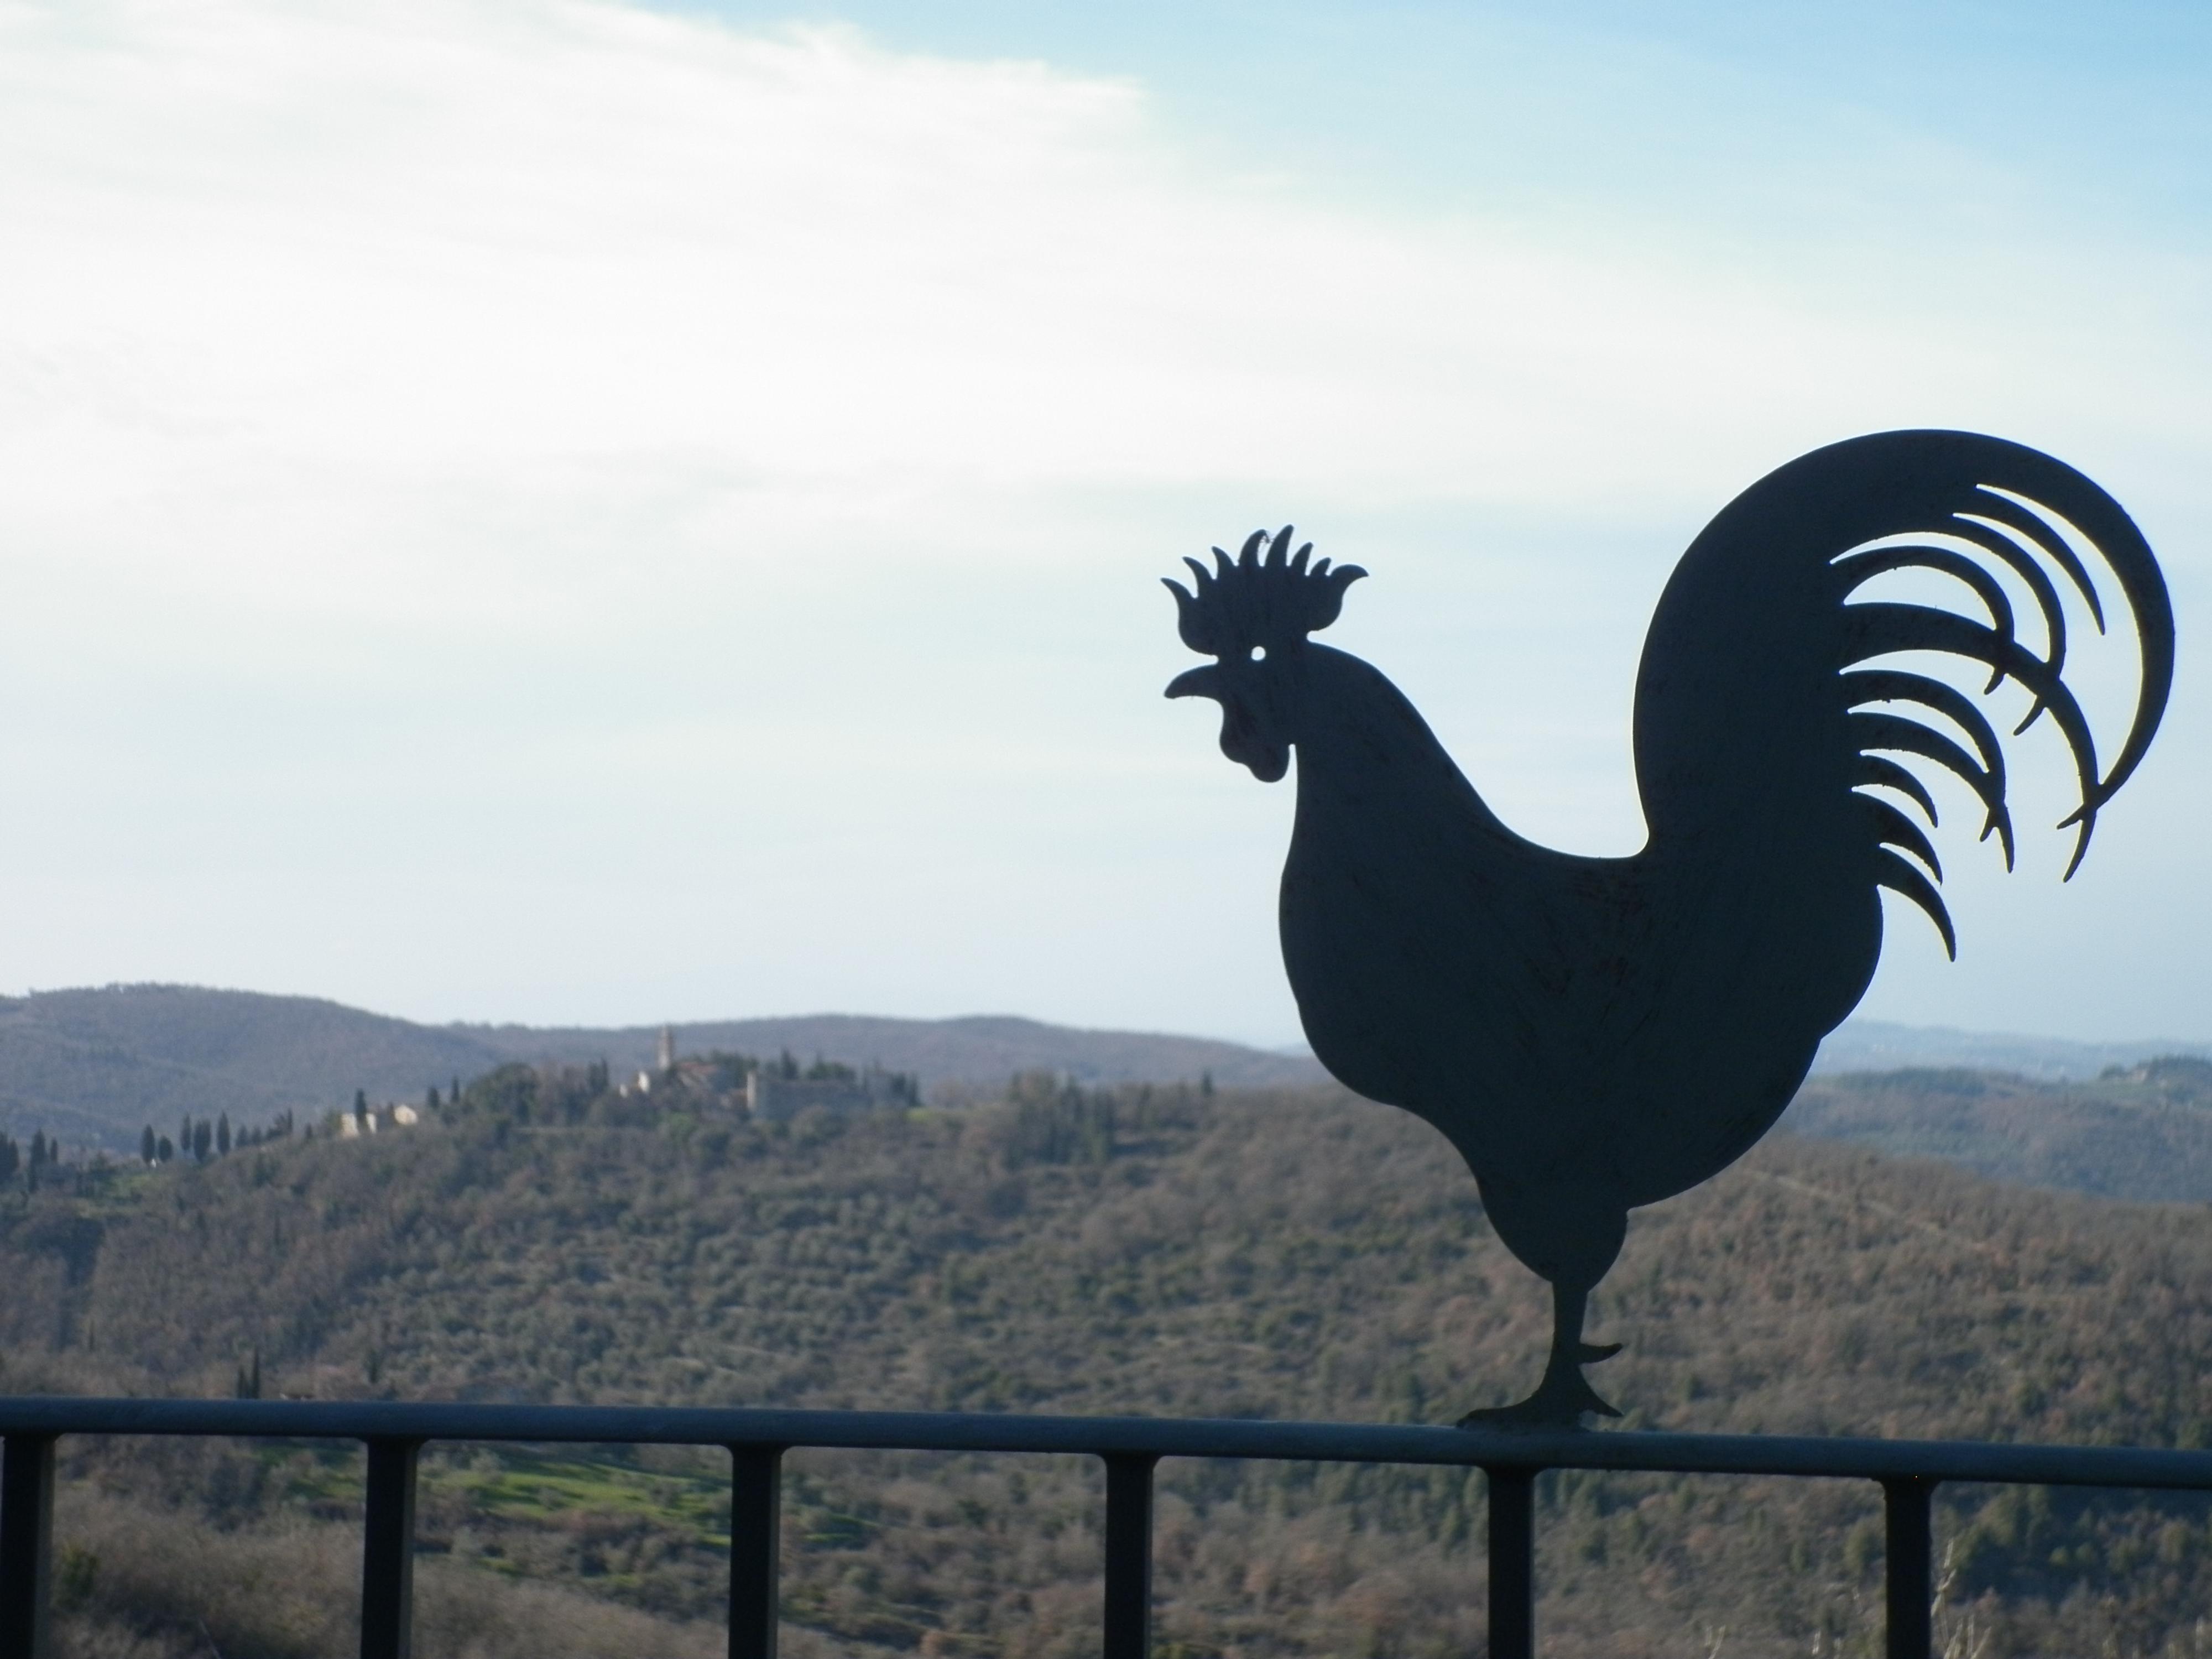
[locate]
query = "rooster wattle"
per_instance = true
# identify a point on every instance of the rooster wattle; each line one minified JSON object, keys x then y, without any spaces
{"x":1597,"y":1033}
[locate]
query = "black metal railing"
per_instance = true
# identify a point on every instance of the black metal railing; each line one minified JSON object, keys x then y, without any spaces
{"x":1908,"y":1472}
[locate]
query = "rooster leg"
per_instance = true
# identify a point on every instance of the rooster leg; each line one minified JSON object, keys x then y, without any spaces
{"x":1563,"y":1397}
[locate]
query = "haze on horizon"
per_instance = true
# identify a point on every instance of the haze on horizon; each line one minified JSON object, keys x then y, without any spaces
{"x":568,"y":512}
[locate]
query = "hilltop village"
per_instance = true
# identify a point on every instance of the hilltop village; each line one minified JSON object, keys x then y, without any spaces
{"x":741,"y":1087}
{"x":735,"y":1087}
{"x":729,"y":1085}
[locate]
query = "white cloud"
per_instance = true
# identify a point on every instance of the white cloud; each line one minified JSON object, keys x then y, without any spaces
{"x":581,"y":419}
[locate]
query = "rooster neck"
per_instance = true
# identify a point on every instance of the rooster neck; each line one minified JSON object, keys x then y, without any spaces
{"x":1367,"y":757}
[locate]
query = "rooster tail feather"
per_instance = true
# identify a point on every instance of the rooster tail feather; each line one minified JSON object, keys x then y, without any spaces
{"x":1893,"y":828}
{"x":1878,"y":629}
{"x":1881,"y":771}
{"x":2008,"y":549}
{"x":1865,"y":685}
{"x":1895,"y":873}
{"x":1762,"y":704}
{"x":1906,"y":737}
{"x":1858,"y":568}
{"x":2016,"y":513}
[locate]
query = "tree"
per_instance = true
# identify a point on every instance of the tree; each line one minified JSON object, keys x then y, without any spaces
{"x":222,"y":1135}
{"x":164,"y":1151}
{"x":146,"y":1146}
{"x":11,"y":1158}
{"x":360,"y":1109}
{"x":203,"y":1137}
{"x":430,"y":1101}
{"x":509,"y":1093}
{"x":184,"y":1134}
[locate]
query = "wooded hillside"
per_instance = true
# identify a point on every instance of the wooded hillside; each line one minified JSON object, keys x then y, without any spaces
{"x":1154,"y":1251}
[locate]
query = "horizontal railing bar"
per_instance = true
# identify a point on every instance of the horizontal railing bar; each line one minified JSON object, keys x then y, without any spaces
{"x":1101,"y":1437}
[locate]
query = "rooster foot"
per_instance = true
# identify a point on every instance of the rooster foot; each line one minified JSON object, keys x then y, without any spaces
{"x":1562,"y":1399}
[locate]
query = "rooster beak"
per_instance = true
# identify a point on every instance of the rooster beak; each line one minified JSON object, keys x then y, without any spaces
{"x":1201,"y":682}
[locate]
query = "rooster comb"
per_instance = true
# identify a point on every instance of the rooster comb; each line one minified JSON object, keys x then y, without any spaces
{"x":1270,"y":601}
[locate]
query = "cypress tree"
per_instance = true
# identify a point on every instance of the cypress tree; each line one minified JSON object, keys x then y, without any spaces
{"x":203,"y":1137}
{"x":223,"y":1136}
{"x":146,"y":1147}
{"x":11,"y":1158}
{"x":165,"y":1152}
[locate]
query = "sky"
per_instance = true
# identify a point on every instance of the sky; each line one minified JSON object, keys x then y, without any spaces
{"x":574,"y":512}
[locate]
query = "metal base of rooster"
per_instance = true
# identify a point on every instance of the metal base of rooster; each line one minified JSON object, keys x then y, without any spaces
{"x":1565,"y":1397}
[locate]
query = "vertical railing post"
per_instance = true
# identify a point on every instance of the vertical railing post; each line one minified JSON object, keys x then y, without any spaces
{"x":1908,"y":1561}
{"x":387,"y":1554}
{"x":1128,"y":1555}
{"x":26,"y":1542}
{"x":756,"y":1541}
{"x":1512,"y":1562}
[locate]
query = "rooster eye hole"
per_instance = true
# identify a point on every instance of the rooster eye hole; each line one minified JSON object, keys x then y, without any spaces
{"x":1259,"y":653}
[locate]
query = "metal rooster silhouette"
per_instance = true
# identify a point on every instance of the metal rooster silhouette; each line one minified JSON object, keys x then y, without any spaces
{"x":1597,"y":1033}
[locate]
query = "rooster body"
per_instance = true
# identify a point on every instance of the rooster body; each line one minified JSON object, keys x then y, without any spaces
{"x":1593,"y":1035}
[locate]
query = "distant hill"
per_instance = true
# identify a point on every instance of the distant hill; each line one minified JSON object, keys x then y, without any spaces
{"x":979,"y":1051}
{"x":93,"y":1066}
{"x":1880,"y":1045}
{"x":2141,"y":1134}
